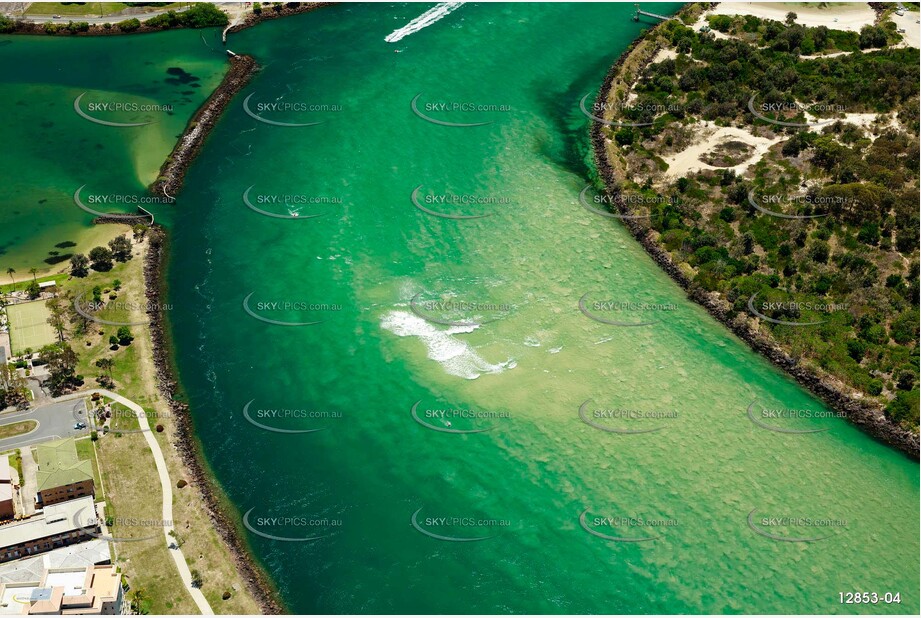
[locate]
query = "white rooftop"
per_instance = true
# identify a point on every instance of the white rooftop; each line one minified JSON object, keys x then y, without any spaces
{"x":71,"y":581}
{"x":55,"y":519}
{"x":16,"y":597}
{"x":81,"y":555}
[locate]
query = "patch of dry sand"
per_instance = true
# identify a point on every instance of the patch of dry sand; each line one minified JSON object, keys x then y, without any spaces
{"x":852,"y":17}
{"x":709,"y":137}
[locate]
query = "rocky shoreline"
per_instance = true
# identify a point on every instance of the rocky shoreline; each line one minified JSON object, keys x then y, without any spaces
{"x":865,"y":415}
{"x":169,"y":182}
{"x":260,"y":587}
{"x":173,"y":171}
{"x":269,"y":13}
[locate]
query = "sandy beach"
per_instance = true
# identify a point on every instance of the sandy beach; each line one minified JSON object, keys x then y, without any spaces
{"x":851,"y":17}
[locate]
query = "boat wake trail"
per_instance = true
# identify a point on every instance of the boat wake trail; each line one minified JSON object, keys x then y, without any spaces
{"x":428,"y":18}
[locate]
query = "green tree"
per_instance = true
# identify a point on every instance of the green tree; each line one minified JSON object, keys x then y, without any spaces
{"x":203,"y":15}
{"x":13,"y":388}
{"x":906,"y":380}
{"x":129,"y":25}
{"x":121,"y":248}
{"x":819,"y":251}
{"x":101,"y":259}
{"x":57,"y":317}
{"x":904,"y":408}
{"x":79,"y":265}
{"x":124,"y":336}
{"x":7,"y":25}
{"x":106,"y":364}
{"x":62,"y":365}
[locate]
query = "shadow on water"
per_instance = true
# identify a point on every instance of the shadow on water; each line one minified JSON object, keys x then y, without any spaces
{"x":573,"y":151}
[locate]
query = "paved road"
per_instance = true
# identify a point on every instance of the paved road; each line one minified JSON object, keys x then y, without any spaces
{"x":92,"y":19}
{"x":909,"y":23}
{"x":55,"y":420}
{"x":167,"y":486}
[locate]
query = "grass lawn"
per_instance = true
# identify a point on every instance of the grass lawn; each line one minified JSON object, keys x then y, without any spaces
{"x":16,"y":429}
{"x":123,"y":419}
{"x":133,"y":493}
{"x":126,"y":464}
{"x":6,"y":288}
{"x":29,"y":327}
{"x":76,"y":9}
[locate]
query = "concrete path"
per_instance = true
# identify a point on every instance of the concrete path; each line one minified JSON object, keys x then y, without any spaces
{"x":175,"y":551}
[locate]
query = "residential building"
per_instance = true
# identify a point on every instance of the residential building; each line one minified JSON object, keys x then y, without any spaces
{"x":61,"y":474}
{"x":93,"y":590}
{"x":6,"y":488}
{"x":80,"y":555}
{"x":58,"y":525}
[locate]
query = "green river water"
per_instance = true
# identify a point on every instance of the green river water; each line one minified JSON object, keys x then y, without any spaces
{"x":49,"y":151}
{"x":370,"y":488}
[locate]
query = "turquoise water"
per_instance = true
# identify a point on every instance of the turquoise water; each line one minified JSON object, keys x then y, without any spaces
{"x":49,"y":150}
{"x":358,"y":481}
{"x":517,"y":351}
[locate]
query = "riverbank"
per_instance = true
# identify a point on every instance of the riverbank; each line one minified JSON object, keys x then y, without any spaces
{"x":258,"y":583}
{"x":137,"y":24}
{"x":868,"y":416}
{"x":168,"y":184}
{"x":80,"y":241}
{"x":272,"y":12}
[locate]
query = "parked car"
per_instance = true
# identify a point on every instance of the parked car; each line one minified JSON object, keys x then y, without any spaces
{"x":79,"y":425}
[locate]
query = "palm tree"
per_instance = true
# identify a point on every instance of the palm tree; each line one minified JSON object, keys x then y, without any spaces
{"x":106,"y":365}
{"x":32,"y":272}
{"x":10,"y":272}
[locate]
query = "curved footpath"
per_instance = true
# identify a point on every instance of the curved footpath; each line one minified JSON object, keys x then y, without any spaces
{"x":255,"y":577}
{"x":867,"y":416}
{"x":176,"y":552}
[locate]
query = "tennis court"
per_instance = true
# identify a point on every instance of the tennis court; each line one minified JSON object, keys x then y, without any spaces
{"x":29,"y":327}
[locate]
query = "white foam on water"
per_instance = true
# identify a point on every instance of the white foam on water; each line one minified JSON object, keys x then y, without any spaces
{"x":440,"y":10}
{"x":455,"y":356}
{"x":555,"y":350}
{"x":531,"y":342}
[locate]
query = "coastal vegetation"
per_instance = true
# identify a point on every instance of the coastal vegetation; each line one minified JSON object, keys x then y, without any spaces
{"x":791,"y":178}
{"x":198,"y":15}
{"x":109,"y":284}
{"x":14,"y":392}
